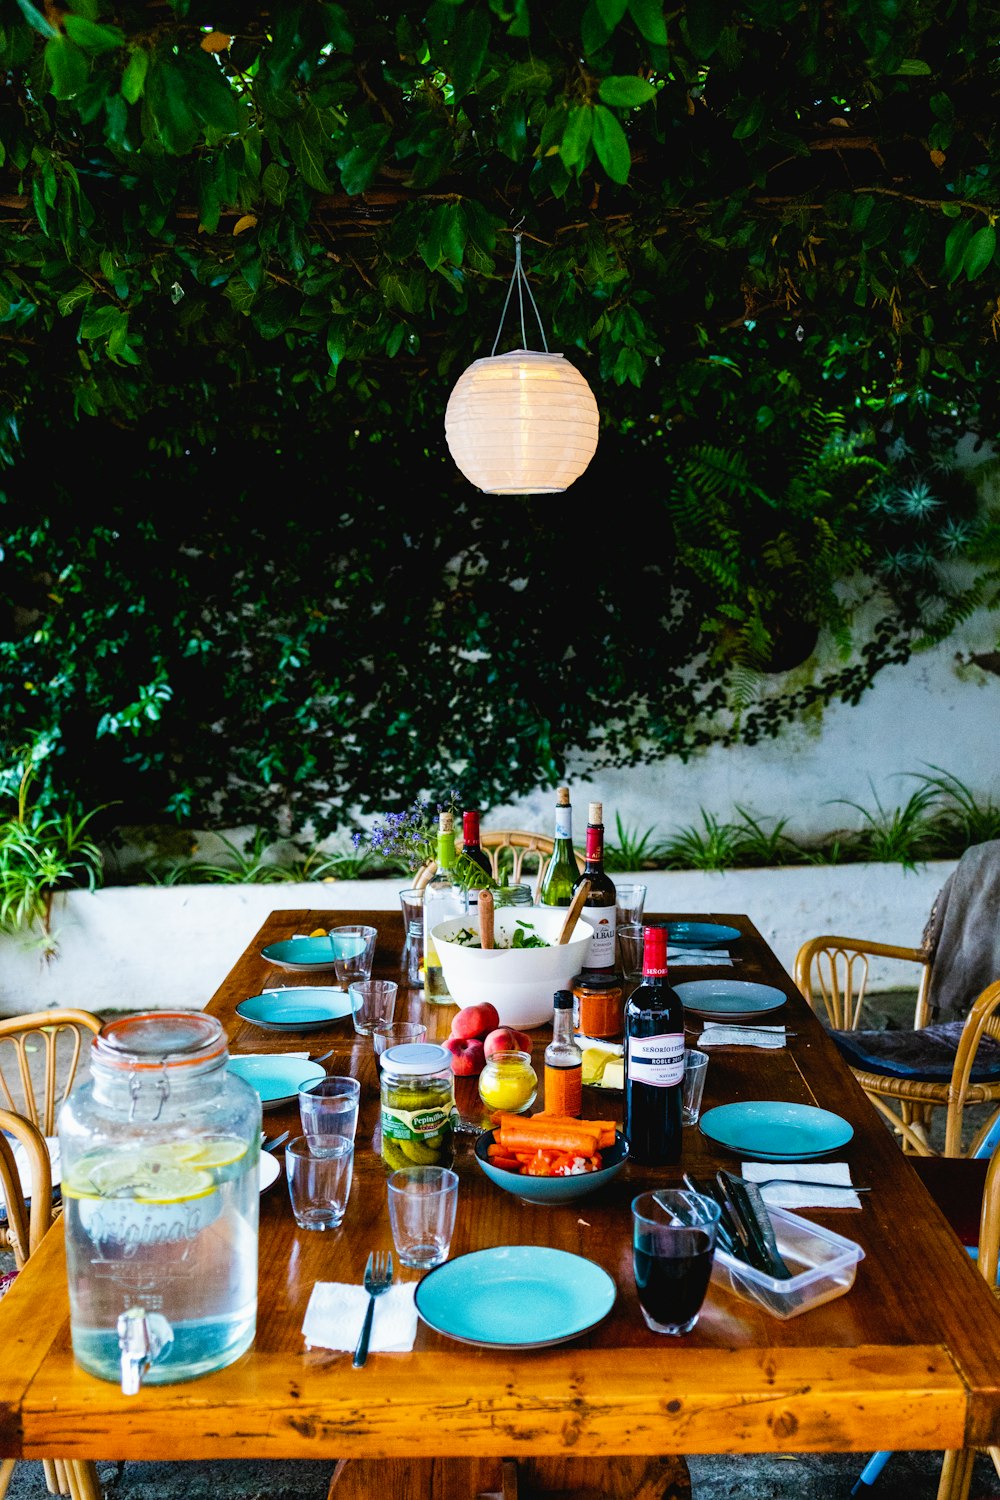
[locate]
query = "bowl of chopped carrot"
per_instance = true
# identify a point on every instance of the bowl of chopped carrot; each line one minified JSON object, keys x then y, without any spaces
{"x":551,"y":1158}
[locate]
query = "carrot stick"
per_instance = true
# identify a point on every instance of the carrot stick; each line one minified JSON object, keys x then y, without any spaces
{"x":555,"y":1138}
{"x":541,"y":1120}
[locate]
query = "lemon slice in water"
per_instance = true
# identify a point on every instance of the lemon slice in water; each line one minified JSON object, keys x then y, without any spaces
{"x":220,"y":1152}
{"x":176,"y":1185}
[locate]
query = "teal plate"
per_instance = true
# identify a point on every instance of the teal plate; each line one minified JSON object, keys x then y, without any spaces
{"x":299,"y":1008}
{"x":515,"y":1297}
{"x":729,"y":999}
{"x":772,"y":1130}
{"x":701,"y":934}
{"x":309,"y":955}
{"x":277,"y":1079}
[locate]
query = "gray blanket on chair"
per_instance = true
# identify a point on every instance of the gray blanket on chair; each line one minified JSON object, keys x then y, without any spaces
{"x":963,"y":933}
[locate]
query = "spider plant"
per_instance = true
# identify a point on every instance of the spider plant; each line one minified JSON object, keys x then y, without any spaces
{"x":757,"y":846}
{"x":42,"y":852}
{"x":247,"y":866}
{"x":632,"y":850}
{"x":901,"y":835}
{"x":961,"y":821}
{"x":714,"y":846}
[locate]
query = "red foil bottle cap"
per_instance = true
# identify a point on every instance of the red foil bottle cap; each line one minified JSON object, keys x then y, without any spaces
{"x":470,"y":826}
{"x":654,"y":949}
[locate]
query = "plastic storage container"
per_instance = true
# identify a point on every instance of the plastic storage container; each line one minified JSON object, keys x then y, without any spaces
{"x":160,"y":1154}
{"x":824,"y":1264}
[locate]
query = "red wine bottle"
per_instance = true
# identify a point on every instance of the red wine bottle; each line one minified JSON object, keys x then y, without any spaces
{"x":654,"y":1058}
{"x":473,"y":849}
{"x":600,"y":908}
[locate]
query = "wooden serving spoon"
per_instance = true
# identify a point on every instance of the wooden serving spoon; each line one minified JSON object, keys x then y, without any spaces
{"x":486,"y":912}
{"x":577,"y":904}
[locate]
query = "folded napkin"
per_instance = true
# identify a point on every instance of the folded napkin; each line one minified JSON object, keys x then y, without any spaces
{"x":719,"y":1034}
{"x":685,"y":955}
{"x":788,"y":1195}
{"x":337,"y":1310}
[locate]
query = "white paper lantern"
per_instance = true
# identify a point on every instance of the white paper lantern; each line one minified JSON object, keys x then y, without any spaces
{"x":524,"y":423}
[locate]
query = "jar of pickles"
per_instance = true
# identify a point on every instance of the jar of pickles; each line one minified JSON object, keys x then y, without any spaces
{"x":418,"y":1105}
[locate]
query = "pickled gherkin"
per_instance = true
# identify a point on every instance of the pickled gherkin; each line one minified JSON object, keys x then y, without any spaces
{"x":418,"y":1106}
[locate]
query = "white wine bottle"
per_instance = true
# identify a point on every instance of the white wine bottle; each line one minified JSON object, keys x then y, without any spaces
{"x":444,"y":897}
{"x":561,"y":874}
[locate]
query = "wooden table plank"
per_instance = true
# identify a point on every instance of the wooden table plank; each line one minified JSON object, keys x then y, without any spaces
{"x":908,"y":1358}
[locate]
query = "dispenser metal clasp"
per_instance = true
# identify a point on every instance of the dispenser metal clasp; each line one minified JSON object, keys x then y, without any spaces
{"x":142,"y":1338}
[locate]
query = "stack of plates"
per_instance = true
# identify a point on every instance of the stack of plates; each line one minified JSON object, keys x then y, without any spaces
{"x":729,"y":999}
{"x":772,"y":1130}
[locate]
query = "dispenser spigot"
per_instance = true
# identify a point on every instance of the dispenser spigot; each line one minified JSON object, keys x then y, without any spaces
{"x":142,"y":1338}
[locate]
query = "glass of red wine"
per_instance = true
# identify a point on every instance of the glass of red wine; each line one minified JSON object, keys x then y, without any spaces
{"x":673,"y":1243}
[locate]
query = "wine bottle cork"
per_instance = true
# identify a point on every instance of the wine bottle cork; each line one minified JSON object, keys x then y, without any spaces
{"x":595,"y":812}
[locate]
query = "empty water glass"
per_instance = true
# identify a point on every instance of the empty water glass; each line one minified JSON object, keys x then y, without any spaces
{"x":329,"y":1106}
{"x":630,"y":948}
{"x":394,"y":1033}
{"x":372,"y":1001}
{"x":693,"y":1085}
{"x":630,"y":899}
{"x":319,"y":1169}
{"x":422,"y":1204}
{"x":358,"y":965}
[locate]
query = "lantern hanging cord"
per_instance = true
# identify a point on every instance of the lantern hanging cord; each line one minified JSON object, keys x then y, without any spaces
{"x":518,"y":277}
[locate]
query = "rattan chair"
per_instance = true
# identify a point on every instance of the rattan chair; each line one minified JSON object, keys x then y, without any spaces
{"x":949,"y":1066}
{"x":39,"y":1057}
{"x":508,"y":848}
{"x":29,"y":1223}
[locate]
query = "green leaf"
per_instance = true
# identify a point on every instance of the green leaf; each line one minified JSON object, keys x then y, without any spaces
{"x":444,"y":241}
{"x":359,"y":164}
{"x":704,"y":22}
{"x":574,"y":148}
{"x":648,"y":16}
{"x":134,"y":76}
{"x":611,"y":145}
{"x":467,"y":49}
{"x":303,"y":138}
{"x":626,"y":91}
{"x":980,"y":250}
{"x":955,"y":246}
{"x":35,"y":18}
{"x":91,"y":36}
{"x":951,"y":210}
{"x":274,"y":183}
{"x":912,"y":67}
{"x":751,"y":121}
{"x":611,"y":12}
{"x":67,"y":66}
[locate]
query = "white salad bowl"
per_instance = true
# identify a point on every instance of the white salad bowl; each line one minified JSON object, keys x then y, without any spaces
{"x":519,"y":982}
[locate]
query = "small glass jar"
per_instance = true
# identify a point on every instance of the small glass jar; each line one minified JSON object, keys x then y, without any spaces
{"x":512,"y":895}
{"x":508,"y":1082}
{"x":600,"y":1004}
{"x":418,"y":1106}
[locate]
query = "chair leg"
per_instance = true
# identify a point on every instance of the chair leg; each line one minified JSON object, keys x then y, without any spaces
{"x":956,"y":1474}
{"x":6,"y":1470}
{"x":83,"y":1481}
{"x":871,"y":1471}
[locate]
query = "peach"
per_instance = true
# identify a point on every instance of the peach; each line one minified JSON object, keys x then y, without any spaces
{"x":467,"y":1056}
{"x":507,"y":1039}
{"x":475,"y":1020}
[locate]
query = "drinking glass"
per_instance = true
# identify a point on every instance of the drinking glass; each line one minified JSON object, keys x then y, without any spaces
{"x":630,"y":899}
{"x":422,"y":1204}
{"x":412,"y":904}
{"x":393,"y":1033}
{"x":319,"y":1169}
{"x":673,"y":1245}
{"x":372,"y":1000}
{"x":630,"y":945}
{"x":329,"y":1106}
{"x":359,"y":965}
{"x":693,"y":1085}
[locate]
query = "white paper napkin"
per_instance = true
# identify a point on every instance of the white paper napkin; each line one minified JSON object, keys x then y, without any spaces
{"x":719,"y":1034}
{"x":700,"y":956}
{"x":337,"y":1310}
{"x":785,"y":1195}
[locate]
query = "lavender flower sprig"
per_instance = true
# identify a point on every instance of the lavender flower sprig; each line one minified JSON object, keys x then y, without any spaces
{"x":411,"y":837}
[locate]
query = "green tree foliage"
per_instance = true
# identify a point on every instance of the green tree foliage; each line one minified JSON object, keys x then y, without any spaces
{"x":241,"y":270}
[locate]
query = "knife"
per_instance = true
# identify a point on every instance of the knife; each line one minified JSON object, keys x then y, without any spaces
{"x":725,"y":1229}
{"x":745,"y":1198}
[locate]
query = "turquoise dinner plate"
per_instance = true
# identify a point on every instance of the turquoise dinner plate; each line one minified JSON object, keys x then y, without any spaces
{"x":277,"y":1079}
{"x":515,"y":1297}
{"x":311,"y":954}
{"x":299,"y":1008}
{"x":774,"y":1130}
{"x":732,"y":999}
{"x":701,"y":934}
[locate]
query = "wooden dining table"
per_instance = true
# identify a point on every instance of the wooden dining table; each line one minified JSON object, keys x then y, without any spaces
{"x":908,"y":1358}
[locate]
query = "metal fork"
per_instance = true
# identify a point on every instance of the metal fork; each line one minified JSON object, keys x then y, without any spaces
{"x":272,"y":1142}
{"x":844,"y":1187}
{"x":378,"y":1279}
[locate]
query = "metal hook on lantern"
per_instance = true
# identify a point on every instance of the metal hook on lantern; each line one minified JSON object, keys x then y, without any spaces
{"x":518,"y":277}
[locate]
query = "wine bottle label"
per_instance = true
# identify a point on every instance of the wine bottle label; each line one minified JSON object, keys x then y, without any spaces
{"x":602,"y":944}
{"x":564,"y":823}
{"x":656,"y":1060}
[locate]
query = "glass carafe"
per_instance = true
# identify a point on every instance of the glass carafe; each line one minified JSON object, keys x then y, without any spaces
{"x":160,"y":1155}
